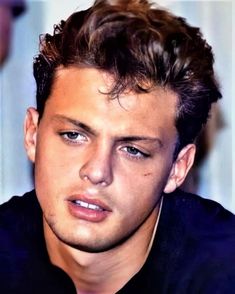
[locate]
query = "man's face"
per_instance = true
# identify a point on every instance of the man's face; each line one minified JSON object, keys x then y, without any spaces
{"x":101,"y":164}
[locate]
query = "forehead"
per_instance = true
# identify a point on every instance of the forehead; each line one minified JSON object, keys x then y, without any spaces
{"x":81,"y":93}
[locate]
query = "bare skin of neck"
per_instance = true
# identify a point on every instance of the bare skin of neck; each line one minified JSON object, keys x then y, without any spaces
{"x":105,"y":272}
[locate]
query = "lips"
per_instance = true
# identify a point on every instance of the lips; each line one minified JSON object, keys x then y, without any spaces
{"x":88,"y":205}
{"x":85,"y":208}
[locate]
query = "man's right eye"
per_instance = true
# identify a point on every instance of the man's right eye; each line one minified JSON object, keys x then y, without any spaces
{"x":73,"y":137}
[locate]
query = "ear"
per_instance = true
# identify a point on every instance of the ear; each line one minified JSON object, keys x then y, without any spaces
{"x":30,"y":132}
{"x":180,"y":168}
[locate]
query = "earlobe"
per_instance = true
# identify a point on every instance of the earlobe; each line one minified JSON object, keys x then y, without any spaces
{"x":180,"y":168}
{"x":30,"y":132}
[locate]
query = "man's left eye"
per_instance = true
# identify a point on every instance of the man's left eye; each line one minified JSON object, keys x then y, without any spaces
{"x":134,"y":152}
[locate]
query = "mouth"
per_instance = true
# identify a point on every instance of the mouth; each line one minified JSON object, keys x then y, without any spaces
{"x":87,"y":205}
{"x":85,"y":208}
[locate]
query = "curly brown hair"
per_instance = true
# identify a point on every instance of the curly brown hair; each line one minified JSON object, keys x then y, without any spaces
{"x":142,"y":47}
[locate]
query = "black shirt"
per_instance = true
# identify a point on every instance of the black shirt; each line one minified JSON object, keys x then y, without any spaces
{"x":193,"y":251}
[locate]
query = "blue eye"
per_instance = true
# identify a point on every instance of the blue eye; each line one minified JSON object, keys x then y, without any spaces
{"x":73,"y":137}
{"x":134,"y":152}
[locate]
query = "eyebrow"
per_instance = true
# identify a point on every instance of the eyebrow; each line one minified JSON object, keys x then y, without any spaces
{"x":88,"y":129}
{"x":75,"y":122}
{"x":141,"y":138}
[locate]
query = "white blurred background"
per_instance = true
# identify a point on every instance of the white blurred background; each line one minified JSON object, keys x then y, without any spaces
{"x":17,"y":91}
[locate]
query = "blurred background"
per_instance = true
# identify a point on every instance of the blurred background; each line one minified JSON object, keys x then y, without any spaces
{"x":213,"y":174}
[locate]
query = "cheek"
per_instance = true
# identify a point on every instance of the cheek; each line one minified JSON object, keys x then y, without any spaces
{"x":148,"y":174}
{"x":51,"y":167}
{"x":139,"y":189}
{"x":155,"y":179}
{"x":148,"y":185}
{"x":51,"y":155}
{"x":139,"y":197}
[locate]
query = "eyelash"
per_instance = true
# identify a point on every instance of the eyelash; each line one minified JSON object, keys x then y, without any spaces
{"x":141,"y":154}
{"x":129,"y":150}
{"x":65,"y":136}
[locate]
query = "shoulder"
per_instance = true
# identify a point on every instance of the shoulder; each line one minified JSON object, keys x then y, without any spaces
{"x":198,"y":237}
{"x":192,"y":209}
{"x":20,"y":222}
{"x":24,"y":263}
{"x":20,"y":208}
{"x":19,"y":217}
{"x":20,"y":230}
{"x":202,"y":222}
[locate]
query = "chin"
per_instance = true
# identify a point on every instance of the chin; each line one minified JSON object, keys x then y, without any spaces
{"x":97,"y":246}
{"x":88,"y":246}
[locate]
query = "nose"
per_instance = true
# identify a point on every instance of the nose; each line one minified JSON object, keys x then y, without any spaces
{"x":97,"y":168}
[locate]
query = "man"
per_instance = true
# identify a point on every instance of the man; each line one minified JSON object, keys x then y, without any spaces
{"x":123,"y":89}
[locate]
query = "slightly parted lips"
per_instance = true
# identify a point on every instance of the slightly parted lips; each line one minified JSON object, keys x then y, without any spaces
{"x":88,"y":205}
{"x":85,"y":202}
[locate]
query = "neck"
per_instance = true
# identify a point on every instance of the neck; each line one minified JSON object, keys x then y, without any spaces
{"x":91,"y":273}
